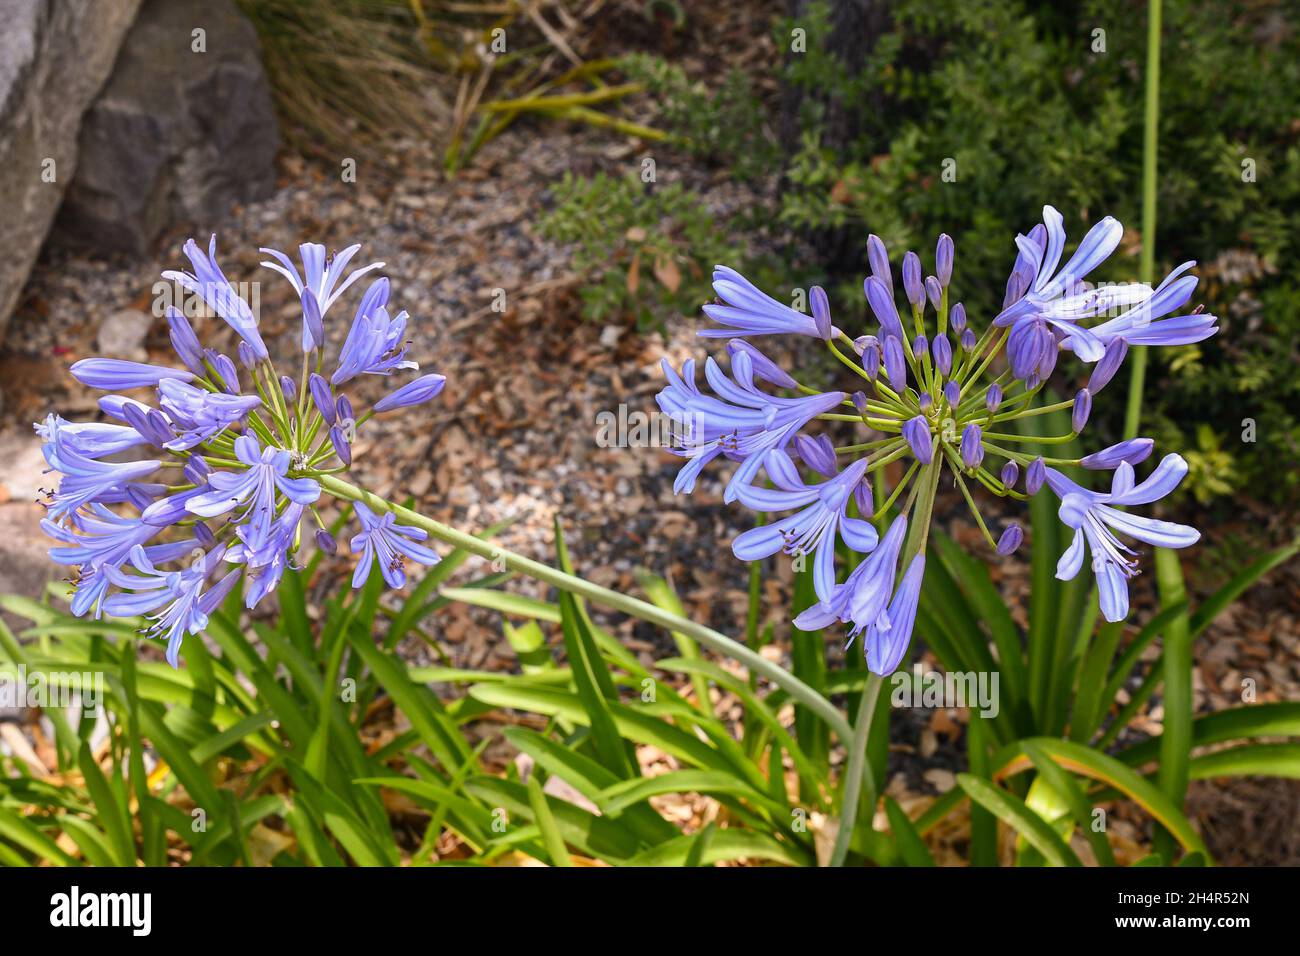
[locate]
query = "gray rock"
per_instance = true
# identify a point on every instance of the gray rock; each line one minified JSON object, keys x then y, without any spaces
{"x":25,"y":565}
{"x":54,"y":57}
{"x":178,"y":135}
{"x":122,"y":335}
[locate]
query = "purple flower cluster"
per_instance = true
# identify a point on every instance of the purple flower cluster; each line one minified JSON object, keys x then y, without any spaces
{"x":225,"y":464}
{"x":934,"y":392}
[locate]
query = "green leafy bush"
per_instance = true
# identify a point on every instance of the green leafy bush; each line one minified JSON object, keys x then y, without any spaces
{"x":647,"y":251}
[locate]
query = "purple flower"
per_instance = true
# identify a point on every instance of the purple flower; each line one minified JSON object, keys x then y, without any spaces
{"x":739,"y":421}
{"x":1010,"y":539}
{"x":320,"y":273}
{"x":912,"y":284}
{"x":1010,"y":474}
{"x":200,"y":415}
{"x":916,"y":431}
{"x":168,"y":510}
{"x":821,"y":311}
{"x":412,"y":393}
{"x":262,"y":491}
{"x":1035,"y":475}
{"x":90,"y":439}
{"x":1134,"y":451}
{"x":1081,"y":410}
{"x":210,"y":284}
{"x":1108,"y":365}
{"x":752,"y":312}
{"x":862,"y":600}
{"x":1144,"y":325}
{"x":86,"y":480}
{"x":942,"y":350}
{"x":185,"y":605}
{"x":257,"y":485}
{"x":1030,"y":346}
{"x":184,"y":341}
{"x":313,"y":325}
{"x":957,"y":318}
{"x":972,"y":445}
{"x":871,"y":357}
{"x":1042,"y":258}
{"x":113,"y":374}
{"x":1095,"y":517}
{"x":383,"y":538}
{"x":880,"y":296}
{"x":342,"y":448}
{"x":895,"y":363}
{"x":934,"y":291}
{"x":885,"y":646}
{"x":813,"y":530}
{"x":374,"y":344}
{"x":267,"y":558}
{"x":817,"y":453}
{"x":227,"y":376}
{"x":993,"y":397}
{"x":764,"y":367}
{"x":322,"y":397}
{"x":98,"y":539}
{"x":943,"y":256}
{"x":878,"y":258}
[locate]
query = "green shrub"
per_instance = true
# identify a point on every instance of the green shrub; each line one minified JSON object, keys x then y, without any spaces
{"x":647,"y":251}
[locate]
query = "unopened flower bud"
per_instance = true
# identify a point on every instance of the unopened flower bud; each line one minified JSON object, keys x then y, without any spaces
{"x":325,"y":541}
{"x":943,"y":256}
{"x":1082,"y":409}
{"x":1035,"y":476}
{"x":1011,"y":539}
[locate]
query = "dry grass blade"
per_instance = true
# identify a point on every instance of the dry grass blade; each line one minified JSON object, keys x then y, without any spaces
{"x":343,"y":69}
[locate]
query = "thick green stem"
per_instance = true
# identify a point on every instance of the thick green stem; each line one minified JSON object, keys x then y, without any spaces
{"x":635,"y":607}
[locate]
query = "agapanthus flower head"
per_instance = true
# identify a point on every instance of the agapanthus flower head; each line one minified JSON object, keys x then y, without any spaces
{"x":235,"y":467}
{"x":940,"y":391}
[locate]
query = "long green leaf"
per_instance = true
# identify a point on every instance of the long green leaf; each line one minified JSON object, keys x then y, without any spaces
{"x":1236,"y":723}
{"x":1013,"y":812}
{"x":550,"y":830}
{"x":1102,"y":767}
{"x":1082,"y":811}
{"x":910,"y":845}
{"x":17,"y":830}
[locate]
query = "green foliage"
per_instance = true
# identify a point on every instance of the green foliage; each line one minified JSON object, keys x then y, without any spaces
{"x":646,"y":250}
{"x":1073,"y":682}
{"x":264,"y":750}
{"x":728,"y":121}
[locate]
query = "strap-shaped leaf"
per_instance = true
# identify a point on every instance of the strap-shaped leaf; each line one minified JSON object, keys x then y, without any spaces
{"x":1012,"y":811}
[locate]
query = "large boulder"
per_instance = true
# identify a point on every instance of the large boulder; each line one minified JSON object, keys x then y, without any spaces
{"x":54,"y":57}
{"x":184,"y":128}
